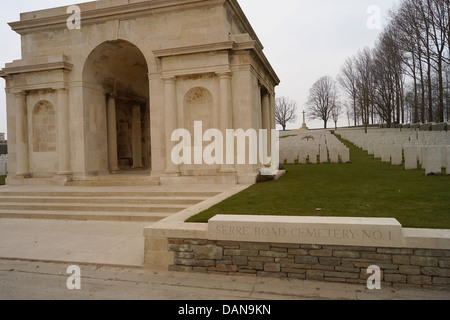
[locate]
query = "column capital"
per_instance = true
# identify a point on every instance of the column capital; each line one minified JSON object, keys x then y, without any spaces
{"x":169,"y":79}
{"x":224,"y":74}
{"x":20,"y":94}
{"x":62,"y":90}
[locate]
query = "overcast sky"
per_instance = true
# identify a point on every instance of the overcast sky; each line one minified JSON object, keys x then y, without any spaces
{"x":303,"y":39}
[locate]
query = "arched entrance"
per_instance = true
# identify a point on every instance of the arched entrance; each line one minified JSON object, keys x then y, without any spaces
{"x":116,"y":107}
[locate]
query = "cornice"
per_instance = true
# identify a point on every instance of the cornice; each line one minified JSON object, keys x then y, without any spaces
{"x":37,"y":68}
{"x":202,"y":48}
{"x":218,"y":46}
{"x":91,"y":16}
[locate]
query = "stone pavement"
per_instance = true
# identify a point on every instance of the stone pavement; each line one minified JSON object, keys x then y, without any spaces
{"x":42,"y":280}
{"x":104,"y":242}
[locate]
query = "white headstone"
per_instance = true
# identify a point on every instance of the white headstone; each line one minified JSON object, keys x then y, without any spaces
{"x":291,"y":155}
{"x":334,"y":154}
{"x":396,"y":155}
{"x":377,"y":150}
{"x":433,"y":163}
{"x":313,"y":152}
{"x":323,"y":154}
{"x":345,"y":155}
{"x":302,"y":155}
{"x":386,"y":153}
{"x":410,"y":157}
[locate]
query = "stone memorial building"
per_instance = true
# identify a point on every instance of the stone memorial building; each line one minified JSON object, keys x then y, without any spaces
{"x":104,"y":97}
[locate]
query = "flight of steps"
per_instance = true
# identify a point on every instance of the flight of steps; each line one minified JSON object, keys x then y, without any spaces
{"x":116,"y":180}
{"x":99,"y":205}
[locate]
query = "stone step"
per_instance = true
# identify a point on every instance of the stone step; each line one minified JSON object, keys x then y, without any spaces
{"x":111,"y":183}
{"x":84,"y":215}
{"x":98,"y":193}
{"x":104,"y":200}
{"x":93,"y":207}
{"x":193,"y":180}
{"x":126,"y":179}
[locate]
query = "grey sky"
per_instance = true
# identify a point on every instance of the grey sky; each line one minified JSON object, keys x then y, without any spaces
{"x":303,"y":39}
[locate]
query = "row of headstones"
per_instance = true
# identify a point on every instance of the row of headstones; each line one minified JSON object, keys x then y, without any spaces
{"x":393,"y":136}
{"x":431,"y":154}
{"x":315,"y":147}
{"x":431,"y":158}
{"x":315,"y":155}
{"x":3,"y":165}
{"x":430,"y":126}
{"x":309,"y":139}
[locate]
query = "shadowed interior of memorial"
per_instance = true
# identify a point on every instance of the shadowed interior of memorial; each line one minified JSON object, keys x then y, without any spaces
{"x":117,"y":113}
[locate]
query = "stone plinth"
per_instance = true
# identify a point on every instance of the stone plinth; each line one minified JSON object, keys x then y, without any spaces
{"x":380,"y":232}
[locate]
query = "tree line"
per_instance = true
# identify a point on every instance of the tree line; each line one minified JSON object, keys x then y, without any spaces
{"x":404,"y":78}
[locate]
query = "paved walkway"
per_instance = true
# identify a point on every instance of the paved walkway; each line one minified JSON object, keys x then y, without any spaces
{"x":103,"y":242}
{"x":39,"y":280}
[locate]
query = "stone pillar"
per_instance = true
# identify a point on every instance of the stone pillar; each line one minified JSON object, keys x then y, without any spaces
{"x":23,"y":164}
{"x":266,"y":119}
{"x":273,"y":123}
{"x":113,"y":162}
{"x":225,"y":114}
{"x":64,"y":167}
{"x":136,"y":137}
{"x":171,"y":122}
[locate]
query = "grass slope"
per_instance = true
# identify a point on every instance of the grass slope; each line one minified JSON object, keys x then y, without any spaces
{"x":364,"y":188}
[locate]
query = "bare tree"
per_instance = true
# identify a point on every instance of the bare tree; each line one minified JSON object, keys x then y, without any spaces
{"x":348,"y":81}
{"x":336,"y":113}
{"x":285,"y":111}
{"x":411,"y":57}
{"x":388,"y":78}
{"x":365,"y":84}
{"x":322,"y":99}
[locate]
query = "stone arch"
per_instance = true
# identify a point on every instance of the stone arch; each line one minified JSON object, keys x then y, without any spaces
{"x":118,"y":65}
{"x":44,"y":127}
{"x":152,"y":63}
{"x":116,"y":70}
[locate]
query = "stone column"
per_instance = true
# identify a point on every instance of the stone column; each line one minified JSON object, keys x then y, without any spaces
{"x":266,"y":119}
{"x":171,"y":122}
{"x":225,"y":114}
{"x":23,"y":164}
{"x":64,"y":167}
{"x":112,"y":134}
{"x":136,"y":137}
{"x":273,"y":123}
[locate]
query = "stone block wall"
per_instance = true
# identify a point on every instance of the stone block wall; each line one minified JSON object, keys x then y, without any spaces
{"x":417,"y":268}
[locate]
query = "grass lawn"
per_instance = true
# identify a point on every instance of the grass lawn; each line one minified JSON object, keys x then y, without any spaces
{"x":364,"y":188}
{"x":2,"y":180}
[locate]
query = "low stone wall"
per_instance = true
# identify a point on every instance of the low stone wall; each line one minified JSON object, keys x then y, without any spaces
{"x":418,"y":268}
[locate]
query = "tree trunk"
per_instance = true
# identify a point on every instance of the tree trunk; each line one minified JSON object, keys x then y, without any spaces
{"x":416,"y":95}
{"x":441,"y":91}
